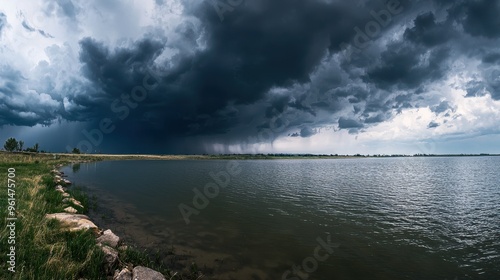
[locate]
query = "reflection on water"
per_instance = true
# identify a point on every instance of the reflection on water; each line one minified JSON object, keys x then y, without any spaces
{"x":75,"y":167}
{"x":392,"y":218}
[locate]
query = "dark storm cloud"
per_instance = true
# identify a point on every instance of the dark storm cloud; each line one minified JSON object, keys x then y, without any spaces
{"x":428,"y":32}
{"x":402,"y":67}
{"x":175,"y":107}
{"x":490,"y":84}
{"x":491,"y":58}
{"x":273,"y":63}
{"x":299,"y":105}
{"x":307,"y":132}
{"x":475,"y":88}
{"x":493,"y":80}
{"x":113,"y":74}
{"x":478,"y":18}
{"x":349,"y":123}
{"x":269,"y":44}
{"x":34,"y":109}
{"x":376,"y":119}
{"x":262,"y":44}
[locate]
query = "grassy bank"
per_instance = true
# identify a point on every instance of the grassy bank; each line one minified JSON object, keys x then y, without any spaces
{"x":42,"y":249}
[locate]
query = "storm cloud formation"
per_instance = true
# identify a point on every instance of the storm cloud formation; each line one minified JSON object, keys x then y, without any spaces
{"x":283,"y":68}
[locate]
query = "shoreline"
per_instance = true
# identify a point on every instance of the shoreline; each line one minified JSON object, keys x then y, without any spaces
{"x":113,"y":246}
{"x":55,"y":239}
{"x":101,"y":157}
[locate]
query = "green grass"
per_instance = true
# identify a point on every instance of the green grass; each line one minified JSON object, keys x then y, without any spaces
{"x":43,"y":250}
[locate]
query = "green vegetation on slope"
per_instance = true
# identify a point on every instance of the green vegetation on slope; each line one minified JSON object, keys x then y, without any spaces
{"x":42,"y":250}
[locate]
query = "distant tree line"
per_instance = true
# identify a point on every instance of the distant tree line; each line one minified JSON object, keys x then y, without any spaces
{"x":12,"y":145}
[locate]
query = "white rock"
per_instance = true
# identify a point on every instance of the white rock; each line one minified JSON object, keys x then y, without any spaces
{"x":109,"y":238}
{"x":70,"y":210}
{"x":59,"y":188}
{"x":72,"y":200}
{"x":144,"y":273}
{"x":73,"y":222}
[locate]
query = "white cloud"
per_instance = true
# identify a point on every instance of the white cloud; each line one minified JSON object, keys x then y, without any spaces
{"x":472,"y":116}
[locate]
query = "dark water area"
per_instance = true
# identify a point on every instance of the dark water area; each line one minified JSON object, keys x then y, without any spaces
{"x":367,"y":218}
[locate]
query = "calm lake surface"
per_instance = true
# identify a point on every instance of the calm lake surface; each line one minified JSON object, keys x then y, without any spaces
{"x":391,"y":218}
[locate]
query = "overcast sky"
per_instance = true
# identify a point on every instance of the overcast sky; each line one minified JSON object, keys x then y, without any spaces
{"x":252,"y":76}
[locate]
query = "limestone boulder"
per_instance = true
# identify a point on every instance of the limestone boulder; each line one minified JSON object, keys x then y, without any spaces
{"x":72,"y":200}
{"x":70,"y":210}
{"x":144,"y":273}
{"x":109,"y":238}
{"x":73,"y":222}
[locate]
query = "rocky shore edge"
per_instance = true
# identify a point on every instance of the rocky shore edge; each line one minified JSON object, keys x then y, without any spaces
{"x":106,"y":240}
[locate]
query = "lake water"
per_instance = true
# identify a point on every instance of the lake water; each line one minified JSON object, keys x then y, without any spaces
{"x":388,"y":218}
